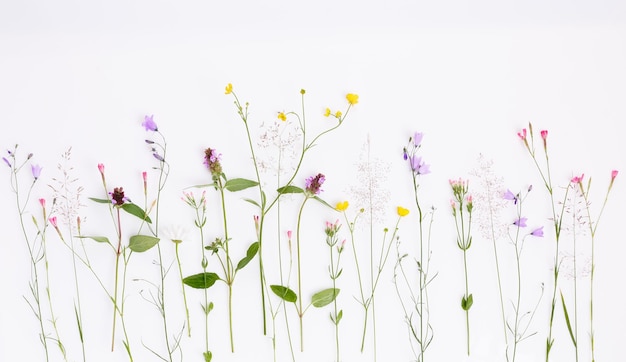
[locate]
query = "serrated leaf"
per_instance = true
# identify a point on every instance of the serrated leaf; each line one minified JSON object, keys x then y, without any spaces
{"x":100,"y":201}
{"x":324,"y":297}
{"x":136,"y":211}
{"x":284,"y":293}
{"x":238,"y":184}
{"x":201,"y":280}
{"x":100,"y":239}
{"x":252,"y":250}
{"x":141,"y":243}
{"x":290,"y":190}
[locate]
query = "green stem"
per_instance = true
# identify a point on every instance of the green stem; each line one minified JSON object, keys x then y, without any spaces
{"x":117,"y":263}
{"x":230,"y":274}
{"x":182,"y":284}
{"x":300,"y":309}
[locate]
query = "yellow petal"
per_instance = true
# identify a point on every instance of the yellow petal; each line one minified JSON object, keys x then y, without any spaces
{"x":282,"y":116}
{"x":342,"y":206}
{"x":352,"y":98}
{"x":229,"y":89}
{"x":402,"y":211}
{"x":327,"y":112}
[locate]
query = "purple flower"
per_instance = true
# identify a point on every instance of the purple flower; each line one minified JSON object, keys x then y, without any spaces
{"x":149,"y":124}
{"x":117,"y":196}
{"x":538,"y":232}
{"x":521,"y":222}
{"x":36,"y":170}
{"x":313,"y":184}
{"x":6,"y":161}
{"x":417,"y":138}
{"x":508,"y":195}
{"x":419,"y":167}
{"x":158,"y":157}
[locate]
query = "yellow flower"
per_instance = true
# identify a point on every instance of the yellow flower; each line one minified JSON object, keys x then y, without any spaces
{"x":402,"y":211}
{"x":338,"y":114}
{"x":352,"y":98}
{"x":229,"y":89}
{"x":327,"y":112}
{"x":282,"y":116}
{"x":342,"y":206}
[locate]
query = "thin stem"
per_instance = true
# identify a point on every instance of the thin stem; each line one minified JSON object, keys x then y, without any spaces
{"x":117,"y":263}
{"x":182,"y":284}
{"x":299,"y":308}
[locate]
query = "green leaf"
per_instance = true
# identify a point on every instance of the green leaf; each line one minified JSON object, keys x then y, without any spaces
{"x":201,"y":280}
{"x":141,"y":243}
{"x":290,"y":190}
{"x":569,"y":325}
{"x":100,"y":239}
{"x":253,"y":202}
{"x":323,"y":202}
{"x":238,"y":184}
{"x":252,"y":250}
{"x":324,"y":297}
{"x":466,"y":303}
{"x":207,"y":356}
{"x":100,"y":201}
{"x":137,"y":211}
{"x":284,"y":293}
{"x":203,"y":186}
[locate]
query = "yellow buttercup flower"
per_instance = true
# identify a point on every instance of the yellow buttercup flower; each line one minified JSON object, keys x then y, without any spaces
{"x":352,"y":98}
{"x":338,"y":114}
{"x":282,"y":116}
{"x":402,"y":211}
{"x":327,"y":112}
{"x":229,"y":89}
{"x":342,"y":206}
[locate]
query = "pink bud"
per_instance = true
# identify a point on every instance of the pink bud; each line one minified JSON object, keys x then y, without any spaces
{"x":522,"y":135}
{"x":544,"y":134}
{"x":101,"y":169}
{"x":578,"y":179}
{"x":53,"y":221}
{"x":614,"y":175}
{"x":42,"y":202}
{"x":289,"y":234}
{"x":469,"y":199}
{"x":145,"y":176}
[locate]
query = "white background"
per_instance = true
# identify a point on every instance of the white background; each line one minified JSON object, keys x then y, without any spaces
{"x":469,"y":75}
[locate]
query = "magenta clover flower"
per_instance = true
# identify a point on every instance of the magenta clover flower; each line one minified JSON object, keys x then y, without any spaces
{"x":521,"y":222}
{"x":149,"y":124}
{"x":538,"y":232}
{"x":117,"y":196}
{"x":36,"y":170}
{"x":313,"y":184}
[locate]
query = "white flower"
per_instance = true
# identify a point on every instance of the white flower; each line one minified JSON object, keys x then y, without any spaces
{"x":176,"y":233}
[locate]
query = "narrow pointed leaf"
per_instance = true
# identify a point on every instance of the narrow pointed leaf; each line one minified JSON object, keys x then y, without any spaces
{"x":323,"y":202}
{"x":100,"y":201}
{"x":324,"y":297}
{"x":284,"y":293}
{"x":137,"y":211}
{"x":290,"y":190}
{"x":253,"y":202}
{"x":141,"y":243}
{"x":201,"y":280}
{"x":569,"y":325}
{"x":252,"y":250}
{"x":238,"y":184}
{"x":100,"y":239}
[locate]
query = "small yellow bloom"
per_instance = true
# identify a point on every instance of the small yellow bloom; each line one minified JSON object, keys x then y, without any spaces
{"x":342,"y":206}
{"x":282,"y":116}
{"x":402,"y":211}
{"x":229,"y":89}
{"x":338,"y":114}
{"x":352,"y":98}
{"x":302,"y":91}
{"x":327,"y":112}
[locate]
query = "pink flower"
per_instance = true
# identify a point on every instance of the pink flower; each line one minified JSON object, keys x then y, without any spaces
{"x":544,"y":134}
{"x":522,"y":134}
{"x":53,"y":221}
{"x":614,"y":175}
{"x":578,"y":179}
{"x":101,"y":168}
{"x":42,"y":202}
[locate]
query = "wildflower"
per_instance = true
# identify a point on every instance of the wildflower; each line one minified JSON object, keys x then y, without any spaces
{"x":6,"y":161}
{"x":36,"y":170}
{"x":53,"y":221}
{"x":338,"y":114}
{"x":256,"y":224}
{"x":176,"y":233}
{"x":327,"y":112}
{"x":352,"y":98}
{"x":402,"y":212}
{"x":282,"y":116}
{"x":614,"y":175}
{"x":331,"y":229}
{"x":341,"y":246}
{"x":313,"y":184}
{"x":42,"y":202}
{"x":212,"y":162}
{"x":101,"y":169}
{"x":522,"y":135}
{"x":342,"y":206}
{"x":538,"y":232}
{"x":470,"y":203}
{"x":544,"y":136}
{"x":117,"y":196}
{"x":149,"y":124}
{"x":229,"y":89}
{"x":302,"y":91}
{"x":417,"y":138}
{"x":289,"y":232}
{"x":578,"y":179}
{"x":521,"y":222}
{"x":419,"y":167}
{"x":508,"y":195}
